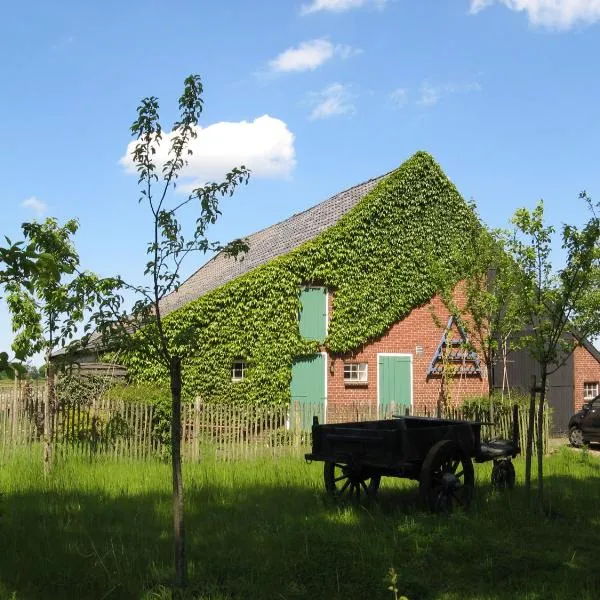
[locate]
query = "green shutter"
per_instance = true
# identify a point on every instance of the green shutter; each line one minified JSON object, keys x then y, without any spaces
{"x":395,"y":383}
{"x":307,"y":391}
{"x":313,"y":313}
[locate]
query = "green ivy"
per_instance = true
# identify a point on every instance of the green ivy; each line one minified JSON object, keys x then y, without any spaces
{"x":379,"y":261}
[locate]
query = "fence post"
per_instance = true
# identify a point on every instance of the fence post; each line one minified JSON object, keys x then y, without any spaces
{"x":13,"y":415}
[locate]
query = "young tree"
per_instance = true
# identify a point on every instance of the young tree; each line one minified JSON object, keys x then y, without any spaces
{"x":47,"y":296}
{"x":561,"y":306}
{"x":5,"y":364}
{"x":491,"y":312}
{"x":15,"y":262}
{"x":11,"y":369}
{"x":485,"y":303}
{"x":143,"y":327}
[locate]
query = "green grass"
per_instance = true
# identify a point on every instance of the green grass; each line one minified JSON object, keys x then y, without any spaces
{"x":263,"y":529}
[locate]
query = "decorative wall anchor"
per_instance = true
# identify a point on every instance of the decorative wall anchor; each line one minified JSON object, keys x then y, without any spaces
{"x":467,"y":362}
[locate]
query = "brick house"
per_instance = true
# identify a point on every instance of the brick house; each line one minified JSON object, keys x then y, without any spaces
{"x":586,"y":375}
{"x":401,"y":366}
{"x":395,"y":368}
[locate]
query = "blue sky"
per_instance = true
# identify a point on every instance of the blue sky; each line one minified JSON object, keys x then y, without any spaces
{"x":313,"y":95}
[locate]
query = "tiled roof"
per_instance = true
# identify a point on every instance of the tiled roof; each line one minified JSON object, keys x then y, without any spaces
{"x":264,"y":245}
{"x":267,"y":244}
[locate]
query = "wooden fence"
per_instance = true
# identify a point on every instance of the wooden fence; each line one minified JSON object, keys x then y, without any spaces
{"x":224,"y":431}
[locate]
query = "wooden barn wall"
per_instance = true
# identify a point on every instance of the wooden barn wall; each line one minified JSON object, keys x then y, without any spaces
{"x":520,"y":367}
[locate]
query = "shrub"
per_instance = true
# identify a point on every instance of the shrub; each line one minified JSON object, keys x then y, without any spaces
{"x":74,"y":389}
{"x":473,"y":407}
{"x":146,"y":393}
{"x":149,"y":393}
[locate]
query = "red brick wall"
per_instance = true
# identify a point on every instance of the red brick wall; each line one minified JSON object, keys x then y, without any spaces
{"x":417,"y":329}
{"x":586,"y":369}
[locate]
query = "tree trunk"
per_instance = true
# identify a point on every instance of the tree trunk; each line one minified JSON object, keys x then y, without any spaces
{"x":48,"y":416}
{"x":178,"y":528}
{"x":490,"y":376}
{"x":540,"y":437}
{"x":490,"y":372}
{"x":529,"y":444}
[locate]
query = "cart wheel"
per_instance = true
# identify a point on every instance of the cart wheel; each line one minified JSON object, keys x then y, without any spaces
{"x":343,"y":481}
{"x":447,"y":478}
{"x":576,"y":437}
{"x":503,"y":475}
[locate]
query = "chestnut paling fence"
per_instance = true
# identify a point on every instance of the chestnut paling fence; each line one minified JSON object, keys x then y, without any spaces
{"x":130,"y":430}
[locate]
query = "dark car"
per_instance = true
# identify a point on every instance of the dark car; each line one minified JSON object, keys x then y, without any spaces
{"x":584,"y":426}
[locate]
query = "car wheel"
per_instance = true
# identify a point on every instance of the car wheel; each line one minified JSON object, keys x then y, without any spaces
{"x":576,"y":437}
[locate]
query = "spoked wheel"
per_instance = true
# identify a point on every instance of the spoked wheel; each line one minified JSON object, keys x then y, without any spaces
{"x":447,"y":478}
{"x":503,"y":475}
{"x":343,"y":481}
{"x":576,"y":437}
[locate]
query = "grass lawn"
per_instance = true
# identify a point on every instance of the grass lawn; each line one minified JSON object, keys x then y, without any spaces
{"x":263,"y":529}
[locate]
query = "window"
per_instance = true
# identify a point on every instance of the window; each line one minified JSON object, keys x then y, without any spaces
{"x":238,"y":370}
{"x":590,"y":390}
{"x":356,"y":372}
{"x":313,"y":313}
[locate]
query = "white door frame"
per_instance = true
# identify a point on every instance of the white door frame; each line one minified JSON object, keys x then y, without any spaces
{"x":325,"y":356}
{"x":411,"y":375}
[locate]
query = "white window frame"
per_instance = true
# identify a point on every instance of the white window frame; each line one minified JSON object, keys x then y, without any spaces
{"x":358,"y":373}
{"x":240,"y":366}
{"x":593,"y":387}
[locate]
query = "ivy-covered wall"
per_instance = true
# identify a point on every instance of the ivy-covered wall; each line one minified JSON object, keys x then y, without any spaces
{"x":378,"y":260}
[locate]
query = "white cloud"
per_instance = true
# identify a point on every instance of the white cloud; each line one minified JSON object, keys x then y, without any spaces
{"x":310,"y":55}
{"x":432,"y":94}
{"x":399,"y":97}
{"x":338,"y":6}
{"x":344,"y":51}
{"x":38,"y":207}
{"x":333,"y":101}
{"x":265,"y":145}
{"x":558,"y":14}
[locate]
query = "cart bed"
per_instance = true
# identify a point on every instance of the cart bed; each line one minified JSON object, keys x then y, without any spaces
{"x":391,"y":444}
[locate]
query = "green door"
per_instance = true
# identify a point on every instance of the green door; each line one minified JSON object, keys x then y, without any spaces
{"x":395,"y":385}
{"x":313,"y":313}
{"x":307,"y":391}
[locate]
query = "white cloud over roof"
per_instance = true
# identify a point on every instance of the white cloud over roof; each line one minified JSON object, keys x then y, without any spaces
{"x":264,"y":145}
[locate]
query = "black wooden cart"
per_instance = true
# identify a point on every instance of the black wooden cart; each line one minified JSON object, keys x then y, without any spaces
{"x":439,"y":453}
